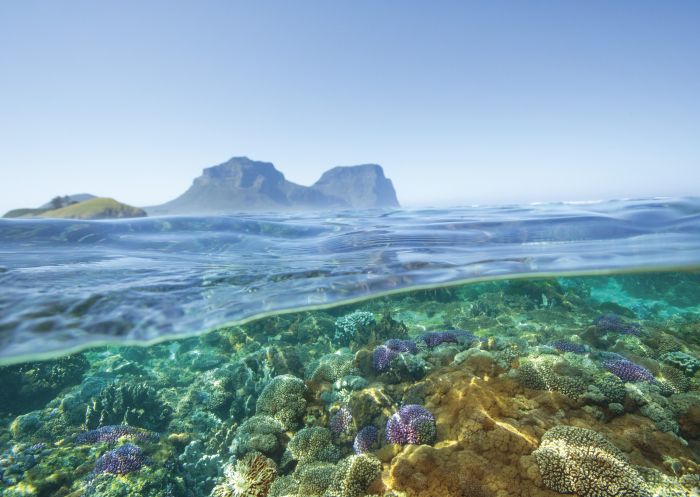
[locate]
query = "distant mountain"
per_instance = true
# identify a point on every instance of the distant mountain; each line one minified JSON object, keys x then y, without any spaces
{"x":241,"y":184}
{"x":80,"y":206}
{"x":360,"y":187}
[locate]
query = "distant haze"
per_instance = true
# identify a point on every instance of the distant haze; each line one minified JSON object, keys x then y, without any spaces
{"x":460,"y":102}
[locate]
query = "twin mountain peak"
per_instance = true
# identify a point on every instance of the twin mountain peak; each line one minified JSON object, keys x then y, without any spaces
{"x":244,"y":184}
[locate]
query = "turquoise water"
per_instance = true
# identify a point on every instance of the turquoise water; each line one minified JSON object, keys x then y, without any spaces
{"x":466,"y":352}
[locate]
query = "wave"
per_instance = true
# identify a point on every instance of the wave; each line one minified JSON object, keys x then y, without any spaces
{"x":68,"y":284}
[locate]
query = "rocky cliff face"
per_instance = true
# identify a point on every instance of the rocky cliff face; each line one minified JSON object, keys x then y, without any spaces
{"x":361,"y":187}
{"x":241,"y":184}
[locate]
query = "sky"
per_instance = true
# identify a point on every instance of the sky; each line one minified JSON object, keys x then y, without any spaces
{"x":460,"y":102}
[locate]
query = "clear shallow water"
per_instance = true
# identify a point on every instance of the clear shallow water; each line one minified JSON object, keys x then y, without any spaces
{"x":361,"y":388}
{"x":67,"y":284}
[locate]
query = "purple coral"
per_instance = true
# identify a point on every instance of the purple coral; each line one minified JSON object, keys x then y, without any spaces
{"x":341,"y":421}
{"x":383,"y":354}
{"x":566,"y":346}
{"x":398,"y":345}
{"x":412,"y":424}
{"x":365,"y":439}
{"x":435,"y":338}
{"x":611,"y":322}
{"x":112,"y":433}
{"x":120,"y":461}
{"x":628,"y":371}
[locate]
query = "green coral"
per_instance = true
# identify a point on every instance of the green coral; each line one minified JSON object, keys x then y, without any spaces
{"x":352,"y":327}
{"x":331,"y":367}
{"x":312,"y":445}
{"x":314,"y":478}
{"x":685,"y":362}
{"x":284,"y":486}
{"x":134,"y":404}
{"x":353,"y":476}
{"x":581,"y":461}
{"x":283,"y":399}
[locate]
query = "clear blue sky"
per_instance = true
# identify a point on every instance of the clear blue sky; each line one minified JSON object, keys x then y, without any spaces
{"x":461,"y":102}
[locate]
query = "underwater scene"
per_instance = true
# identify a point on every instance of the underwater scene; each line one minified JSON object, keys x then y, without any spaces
{"x":532,"y":350}
{"x":585,"y":385}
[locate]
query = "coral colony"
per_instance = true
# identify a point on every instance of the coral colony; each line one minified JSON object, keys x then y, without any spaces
{"x":614,"y":323}
{"x":411,"y":424}
{"x":120,"y":461}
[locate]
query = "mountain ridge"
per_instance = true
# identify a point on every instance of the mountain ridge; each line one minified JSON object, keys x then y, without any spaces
{"x":242,"y":184}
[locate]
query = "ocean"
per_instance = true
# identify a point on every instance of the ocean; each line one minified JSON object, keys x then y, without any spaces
{"x":520,"y":350}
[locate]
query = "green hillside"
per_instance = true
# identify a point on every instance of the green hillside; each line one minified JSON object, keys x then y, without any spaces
{"x":96,"y":208}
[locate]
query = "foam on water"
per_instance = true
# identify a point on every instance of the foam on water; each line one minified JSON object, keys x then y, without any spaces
{"x":67,"y":284}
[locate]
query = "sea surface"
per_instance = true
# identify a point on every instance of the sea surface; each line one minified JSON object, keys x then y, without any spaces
{"x":476,"y":351}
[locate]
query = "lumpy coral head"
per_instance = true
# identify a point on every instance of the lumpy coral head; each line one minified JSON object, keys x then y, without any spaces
{"x":283,"y":399}
{"x":412,"y":424}
{"x":583,"y":462}
{"x":120,"y":461}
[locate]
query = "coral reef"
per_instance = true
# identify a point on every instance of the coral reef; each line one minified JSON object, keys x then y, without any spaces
{"x":545,"y":402}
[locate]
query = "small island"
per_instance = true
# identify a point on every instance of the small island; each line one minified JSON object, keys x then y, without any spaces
{"x":82,"y":206}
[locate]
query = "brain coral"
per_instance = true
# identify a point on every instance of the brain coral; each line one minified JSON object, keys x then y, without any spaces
{"x":581,"y":461}
{"x":283,"y":399}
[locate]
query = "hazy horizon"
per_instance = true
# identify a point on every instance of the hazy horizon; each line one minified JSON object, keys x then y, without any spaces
{"x":489,"y":103}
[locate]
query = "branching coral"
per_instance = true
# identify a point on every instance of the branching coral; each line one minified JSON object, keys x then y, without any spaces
{"x":251,"y":476}
{"x":135,"y":404}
